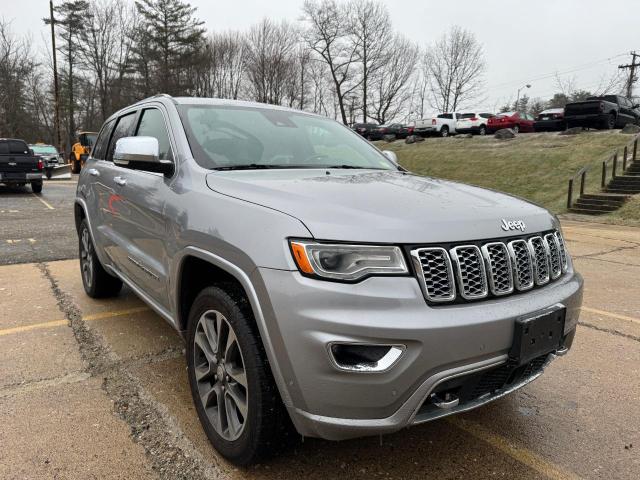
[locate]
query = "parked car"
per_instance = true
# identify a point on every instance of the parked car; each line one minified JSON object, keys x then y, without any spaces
{"x":364,"y":129}
{"x":19,"y":165}
{"x":314,"y":279}
{"x":516,"y":121}
{"x":396,"y":129}
{"x":49,"y":155}
{"x":474,"y":123}
{"x":443,"y":124}
{"x":550,"y":120}
{"x":606,"y":112}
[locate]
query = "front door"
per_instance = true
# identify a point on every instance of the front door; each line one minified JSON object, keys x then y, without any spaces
{"x":140,"y":224}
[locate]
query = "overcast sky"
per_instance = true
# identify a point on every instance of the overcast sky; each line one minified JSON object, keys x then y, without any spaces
{"x":525,"y":41}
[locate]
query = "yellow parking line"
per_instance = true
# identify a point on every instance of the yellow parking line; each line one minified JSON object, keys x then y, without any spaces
{"x":46,"y":204}
{"x":521,"y":454}
{"x":57,"y":323}
{"x":612,"y":315}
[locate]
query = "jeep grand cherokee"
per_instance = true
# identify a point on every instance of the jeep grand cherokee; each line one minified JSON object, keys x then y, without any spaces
{"x":312,"y":277}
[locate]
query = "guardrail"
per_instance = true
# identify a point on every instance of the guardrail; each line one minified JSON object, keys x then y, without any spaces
{"x":613,"y":160}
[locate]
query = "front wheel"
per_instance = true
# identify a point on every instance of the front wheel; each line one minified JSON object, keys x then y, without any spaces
{"x":75,"y":166}
{"x":95,"y":279}
{"x":516,"y":129}
{"x":232,"y":387}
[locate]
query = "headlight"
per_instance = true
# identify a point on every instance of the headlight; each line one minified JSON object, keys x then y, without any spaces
{"x":347,"y":262}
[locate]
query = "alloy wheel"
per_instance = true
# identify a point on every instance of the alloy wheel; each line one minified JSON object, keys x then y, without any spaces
{"x":86,"y":257}
{"x":220,"y":375}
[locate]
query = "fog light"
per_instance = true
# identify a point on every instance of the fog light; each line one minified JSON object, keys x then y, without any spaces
{"x":364,"y":357}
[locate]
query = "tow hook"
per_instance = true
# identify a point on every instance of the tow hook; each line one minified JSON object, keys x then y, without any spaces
{"x":449,"y":400}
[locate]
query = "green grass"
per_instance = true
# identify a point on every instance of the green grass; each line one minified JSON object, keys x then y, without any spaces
{"x":533,"y":166}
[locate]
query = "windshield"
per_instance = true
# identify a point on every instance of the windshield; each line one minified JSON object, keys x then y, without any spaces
{"x":227,"y":137}
{"x":44,"y":149}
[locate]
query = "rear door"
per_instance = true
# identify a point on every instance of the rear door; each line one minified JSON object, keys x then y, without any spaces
{"x":139,"y":222}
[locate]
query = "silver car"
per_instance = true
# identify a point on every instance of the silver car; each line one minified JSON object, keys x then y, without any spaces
{"x":319,"y":286}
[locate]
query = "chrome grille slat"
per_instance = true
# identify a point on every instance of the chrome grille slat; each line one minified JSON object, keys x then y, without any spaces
{"x":499,"y":270}
{"x":540,"y":256}
{"x":475,"y":271}
{"x":523,"y":264}
{"x":554,"y":255}
{"x":437,"y":282}
{"x":472,"y":277}
{"x":563,"y":252}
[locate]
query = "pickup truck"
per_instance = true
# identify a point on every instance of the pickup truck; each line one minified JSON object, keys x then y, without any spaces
{"x":19,"y":165}
{"x":605,"y":112}
{"x":443,"y":124}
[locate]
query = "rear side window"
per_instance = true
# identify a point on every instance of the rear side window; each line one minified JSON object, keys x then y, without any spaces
{"x":446,"y":115}
{"x":4,"y":148}
{"x":18,"y":147}
{"x":124,"y":128}
{"x":152,"y":125}
{"x":487,"y":115}
{"x":100,"y":151}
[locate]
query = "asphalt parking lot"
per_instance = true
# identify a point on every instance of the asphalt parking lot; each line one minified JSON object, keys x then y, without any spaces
{"x":98,"y":389}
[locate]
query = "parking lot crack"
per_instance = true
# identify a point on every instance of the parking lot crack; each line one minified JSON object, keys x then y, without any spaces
{"x":610,"y":331}
{"x":171,"y":453}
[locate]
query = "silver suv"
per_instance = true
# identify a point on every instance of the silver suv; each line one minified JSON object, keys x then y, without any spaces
{"x":317,"y":284}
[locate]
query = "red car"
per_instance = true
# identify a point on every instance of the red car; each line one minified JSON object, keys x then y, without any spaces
{"x":518,"y":122}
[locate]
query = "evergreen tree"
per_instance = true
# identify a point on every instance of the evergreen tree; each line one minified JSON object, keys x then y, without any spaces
{"x":168,"y":41}
{"x":69,"y":18}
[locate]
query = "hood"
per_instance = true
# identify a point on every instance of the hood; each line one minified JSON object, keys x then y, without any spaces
{"x":382,"y":206}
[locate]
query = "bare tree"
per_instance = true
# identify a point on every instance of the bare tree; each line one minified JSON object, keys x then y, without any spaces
{"x":392,"y":84}
{"x":270,"y":49}
{"x":224,"y":65}
{"x":455,"y":64}
{"x":371,"y":33}
{"x":327,"y":35}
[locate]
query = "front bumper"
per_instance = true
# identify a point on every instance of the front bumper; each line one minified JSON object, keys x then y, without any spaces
{"x":304,"y":315}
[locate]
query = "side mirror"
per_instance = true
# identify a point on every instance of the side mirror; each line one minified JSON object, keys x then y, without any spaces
{"x":141,"y":153}
{"x":391,"y":156}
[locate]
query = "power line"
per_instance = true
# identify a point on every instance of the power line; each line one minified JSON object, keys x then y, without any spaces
{"x":545,"y":76}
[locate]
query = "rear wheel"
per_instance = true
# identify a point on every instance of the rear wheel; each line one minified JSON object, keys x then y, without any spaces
{"x":95,"y":279}
{"x":233,"y":391}
{"x":36,"y":187}
{"x":444,"y":131}
{"x":610,"y":122}
{"x":483,"y":130}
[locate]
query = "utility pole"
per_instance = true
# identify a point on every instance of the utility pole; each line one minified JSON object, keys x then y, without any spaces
{"x":632,"y":70}
{"x":55,"y":80}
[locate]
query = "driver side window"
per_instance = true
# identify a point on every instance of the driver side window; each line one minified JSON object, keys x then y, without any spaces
{"x":152,"y":125}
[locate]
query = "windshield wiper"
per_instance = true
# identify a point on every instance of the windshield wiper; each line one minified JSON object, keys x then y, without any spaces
{"x":351,"y":167}
{"x":258,"y":166}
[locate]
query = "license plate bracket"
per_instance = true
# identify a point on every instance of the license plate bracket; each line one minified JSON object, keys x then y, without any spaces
{"x":537,"y":335}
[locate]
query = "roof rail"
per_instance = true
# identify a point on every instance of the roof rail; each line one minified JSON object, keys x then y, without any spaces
{"x":159,"y":95}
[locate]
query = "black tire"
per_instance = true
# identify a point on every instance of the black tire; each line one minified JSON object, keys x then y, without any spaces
{"x":75,"y":166}
{"x":483,"y":130}
{"x":48,"y":172}
{"x":266,"y":424}
{"x":95,"y":279}
{"x":516,"y":129}
{"x":610,"y":122}
{"x":36,"y":187}
{"x":444,"y":131}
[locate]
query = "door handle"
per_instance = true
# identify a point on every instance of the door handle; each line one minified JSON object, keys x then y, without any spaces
{"x":120,"y":181}
{"x":94,"y":172}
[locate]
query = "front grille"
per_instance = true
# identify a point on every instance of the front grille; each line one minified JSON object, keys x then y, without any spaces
{"x":478,"y":270}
